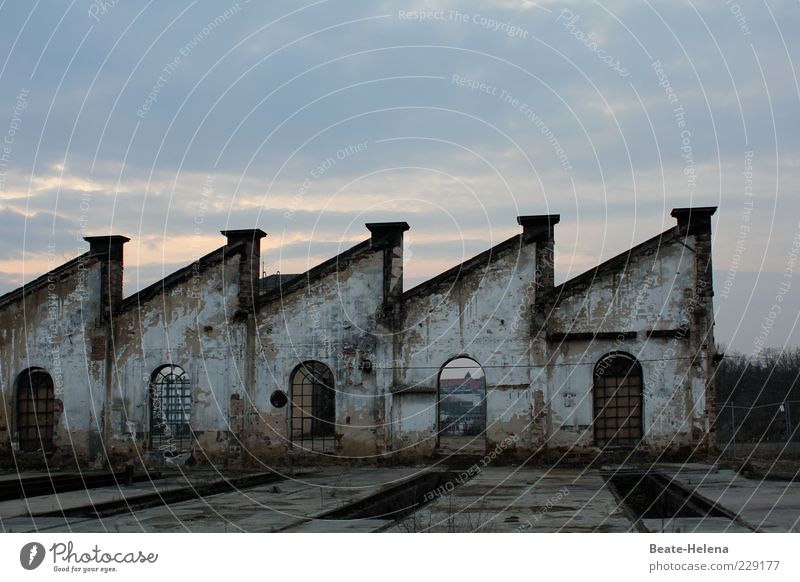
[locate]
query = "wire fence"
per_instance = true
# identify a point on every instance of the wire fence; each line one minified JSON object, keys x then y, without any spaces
{"x":741,"y":430}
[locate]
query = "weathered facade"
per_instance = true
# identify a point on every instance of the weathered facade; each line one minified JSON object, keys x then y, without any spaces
{"x":215,"y":364}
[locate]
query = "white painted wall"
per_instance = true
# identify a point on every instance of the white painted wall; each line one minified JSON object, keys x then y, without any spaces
{"x":54,"y":328}
{"x":484,"y":315}
{"x":650,"y":292}
{"x":334,"y":321}
{"x":190,"y":324}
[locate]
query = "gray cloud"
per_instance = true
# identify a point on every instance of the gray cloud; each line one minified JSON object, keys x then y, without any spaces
{"x":146,"y":101}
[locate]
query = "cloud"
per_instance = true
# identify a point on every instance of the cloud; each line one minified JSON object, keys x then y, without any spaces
{"x":170,"y":122}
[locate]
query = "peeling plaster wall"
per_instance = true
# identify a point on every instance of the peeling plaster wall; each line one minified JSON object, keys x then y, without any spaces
{"x":331,"y":319}
{"x":484,"y":315}
{"x":653,"y":291}
{"x":57,"y":327}
{"x":190,"y":324}
{"x":538,"y":349}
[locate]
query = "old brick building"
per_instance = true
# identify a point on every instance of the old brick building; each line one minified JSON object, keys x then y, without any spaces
{"x":342,"y":361}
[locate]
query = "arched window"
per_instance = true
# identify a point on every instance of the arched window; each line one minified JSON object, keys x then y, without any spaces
{"x":313,"y":410}
{"x":170,"y":410}
{"x":35,"y":410}
{"x":617,"y":400}
{"x":462,"y":404}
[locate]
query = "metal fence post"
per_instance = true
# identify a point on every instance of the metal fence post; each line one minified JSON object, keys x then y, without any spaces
{"x":785,"y":409}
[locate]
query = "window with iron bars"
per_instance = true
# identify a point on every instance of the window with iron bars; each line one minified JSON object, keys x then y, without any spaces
{"x":170,"y":410}
{"x":313,"y":408}
{"x":617,"y":401}
{"x":35,"y":411}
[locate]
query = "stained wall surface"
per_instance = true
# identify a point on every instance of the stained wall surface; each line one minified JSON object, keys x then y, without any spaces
{"x":238,"y":343}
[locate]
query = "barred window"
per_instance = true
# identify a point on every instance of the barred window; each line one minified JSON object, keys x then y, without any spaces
{"x":617,"y":400}
{"x":313,"y":410}
{"x":170,"y":410}
{"x":35,"y":410}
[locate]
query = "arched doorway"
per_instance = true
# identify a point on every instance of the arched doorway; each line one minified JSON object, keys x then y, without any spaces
{"x":461,"y":406}
{"x":170,"y":410}
{"x":313,"y":409}
{"x":35,"y":411}
{"x":617,"y":401}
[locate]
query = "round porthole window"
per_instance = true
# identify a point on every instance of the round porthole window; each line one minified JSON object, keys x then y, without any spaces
{"x":278,"y":399}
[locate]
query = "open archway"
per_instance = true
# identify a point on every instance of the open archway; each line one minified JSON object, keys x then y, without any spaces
{"x":462,"y":405}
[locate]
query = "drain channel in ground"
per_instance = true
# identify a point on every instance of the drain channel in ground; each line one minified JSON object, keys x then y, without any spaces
{"x":657,"y":496}
{"x":159,"y":498}
{"x":29,"y":487}
{"x":401,"y":500}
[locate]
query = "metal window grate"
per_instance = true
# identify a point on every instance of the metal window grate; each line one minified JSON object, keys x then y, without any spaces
{"x":618,"y":401}
{"x":170,"y":410}
{"x":313,"y":408}
{"x":35,"y":411}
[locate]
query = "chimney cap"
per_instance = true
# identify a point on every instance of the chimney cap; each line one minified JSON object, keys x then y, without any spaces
{"x":387,"y":226}
{"x":693,"y":211}
{"x":244,"y":233}
{"x":386,"y":234}
{"x":538,"y":219}
{"x":108,"y":246}
{"x":109,"y":239}
{"x":538,"y":227}
{"x":695,"y":219}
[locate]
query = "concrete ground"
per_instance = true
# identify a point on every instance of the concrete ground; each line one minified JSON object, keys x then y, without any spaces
{"x":762,"y":505}
{"x":494,"y":499}
{"x":282,"y":504}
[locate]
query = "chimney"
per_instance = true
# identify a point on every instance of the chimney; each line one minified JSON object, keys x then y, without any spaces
{"x":388,"y":237}
{"x":695,"y":220}
{"x":695,"y":227}
{"x":540,"y":230}
{"x":108,"y":250}
{"x":249,"y":269}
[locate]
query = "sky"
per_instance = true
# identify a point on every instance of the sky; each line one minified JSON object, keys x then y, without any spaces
{"x":170,"y":121}
{"x":458,"y":368}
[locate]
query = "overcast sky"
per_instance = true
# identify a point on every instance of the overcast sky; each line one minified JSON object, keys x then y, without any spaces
{"x":169,"y":121}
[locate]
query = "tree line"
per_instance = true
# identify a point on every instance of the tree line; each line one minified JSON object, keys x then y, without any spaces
{"x":758,"y":397}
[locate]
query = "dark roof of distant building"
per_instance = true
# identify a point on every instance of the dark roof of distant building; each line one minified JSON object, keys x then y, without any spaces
{"x":271,"y":282}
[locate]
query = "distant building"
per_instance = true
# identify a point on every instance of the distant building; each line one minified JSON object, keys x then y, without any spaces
{"x":462,"y":406}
